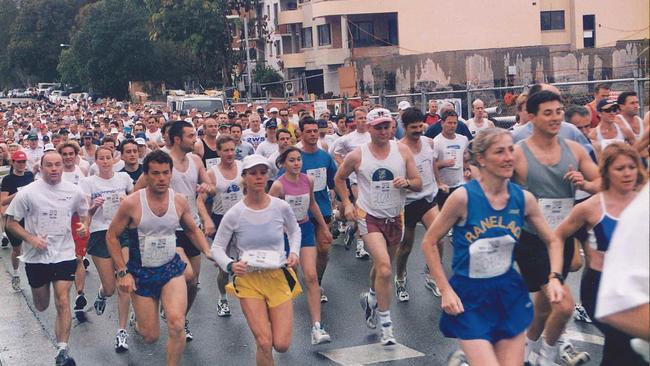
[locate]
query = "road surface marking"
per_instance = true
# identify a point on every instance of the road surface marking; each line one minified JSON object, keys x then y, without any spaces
{"x":369,"y":354}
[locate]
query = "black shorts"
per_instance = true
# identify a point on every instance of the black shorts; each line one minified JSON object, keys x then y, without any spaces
{"x":14,"y":240}
{"x":183,"y":241}
{"x":41,"y":274}
{"x":442,"y":196}
{"x":582,"y":234}
{"x":415,"y":211}
{"x":532,"y":258}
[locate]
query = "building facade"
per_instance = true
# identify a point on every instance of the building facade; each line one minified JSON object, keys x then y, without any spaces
{"x":314,"y":42}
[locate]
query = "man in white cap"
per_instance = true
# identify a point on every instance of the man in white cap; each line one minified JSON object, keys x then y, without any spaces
{"x":385,"y":171}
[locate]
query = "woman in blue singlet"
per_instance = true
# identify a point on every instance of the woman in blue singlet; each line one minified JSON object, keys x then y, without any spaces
{"x":622,"y":175}
{"x":486,"y":303}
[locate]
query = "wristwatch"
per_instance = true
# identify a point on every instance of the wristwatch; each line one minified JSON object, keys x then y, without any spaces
{"x":229,"y":267}
{"x":558,"y":276}
{"x":122,"y":273}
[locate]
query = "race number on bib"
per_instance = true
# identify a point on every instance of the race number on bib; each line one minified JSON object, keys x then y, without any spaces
{"x":456,"y":155}
{"x":425,"y":168}
{"x":111,"y":203}
{"x":53,"y":222}
{"x":211,"y":162}
{"x":299,"y":205}
{"x":320,"y":178}
{"x":489,"y":257}
{"x":263,"y":259}
{"x":555,"y":209}
{"x":157,"y":250}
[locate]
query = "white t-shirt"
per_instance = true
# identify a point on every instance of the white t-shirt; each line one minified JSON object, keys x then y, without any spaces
{"x":625,"y":281}
{"x":33,"y":157}
{"x":94,"y":169}
{"x":253,"y":138}
{"x":113,"y":190}
{"x":346,"y":144}
{"x":154,"y":136}
{"x":256,"y":230}
{"x":445,"y":149}
{"x":47,"y":210}
{"x":266,"y":148}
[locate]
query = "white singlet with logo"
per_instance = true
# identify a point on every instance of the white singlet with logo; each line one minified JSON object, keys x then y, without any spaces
{"x":377,"y":194}
{"x":157,"y":234}
{"x":424,"y":161}
{"x":185,"y":184}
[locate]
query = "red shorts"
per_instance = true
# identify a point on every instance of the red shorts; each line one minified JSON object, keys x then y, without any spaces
{"x":80,"y":243}
{"x":390,"y":228}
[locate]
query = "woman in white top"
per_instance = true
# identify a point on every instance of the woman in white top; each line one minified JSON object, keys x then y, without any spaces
{"x":263,"y":280}
{"x":105,"y":191}
{"x":298,"y":190}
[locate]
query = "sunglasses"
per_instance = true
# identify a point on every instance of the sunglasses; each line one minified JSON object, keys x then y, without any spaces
{"x":611,"y":110}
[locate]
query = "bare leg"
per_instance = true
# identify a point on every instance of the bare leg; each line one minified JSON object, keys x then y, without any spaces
{"x":308,"y":265}
{"x":381,"y":272}
{"x":15,"y":253}
{"x":510,"y":352}
{"x":480,"y":352}
{"x":106,"y":272}
{"x":259,"y":322}
{"x":80,"y":276}
{"x":123,"y":299}
{"x":174,"y":301}
{"x":63,"y":312}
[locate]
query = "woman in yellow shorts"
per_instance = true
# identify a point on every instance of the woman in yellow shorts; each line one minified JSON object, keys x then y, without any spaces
{"x":252,"y":231}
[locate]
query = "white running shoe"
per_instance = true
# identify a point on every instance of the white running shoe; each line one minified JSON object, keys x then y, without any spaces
{"x":121,"y":344}
{"x":400,"y":290}
{"x":361,"y":251}
{"x":319,"y":335}
{"x":223,"y":309}
{"x":387,"y":338}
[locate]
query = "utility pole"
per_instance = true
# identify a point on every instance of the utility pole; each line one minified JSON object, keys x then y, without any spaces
{"x":248,"y":62}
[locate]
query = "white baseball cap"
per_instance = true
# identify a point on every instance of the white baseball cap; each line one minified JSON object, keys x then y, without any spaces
{"x":49,"y":147}
{"x":403,"y":105}
{"x":114,"y":130}
{"x":379,"y":115}
{"x":273,"y":110}
{"x":254,"y":160}
{"x":140,"y":141}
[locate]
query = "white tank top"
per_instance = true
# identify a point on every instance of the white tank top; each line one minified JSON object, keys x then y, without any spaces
{"x":474,"y":128}
{"x":73,"y":177}
{"x":185,"y":184}
{"x":639,"y":121}
{"x":156,"y":234}
{"x":377,"y":195}
{"x":229,"y":191}
{"x":605,"y":142}
{"x":424,"y":163}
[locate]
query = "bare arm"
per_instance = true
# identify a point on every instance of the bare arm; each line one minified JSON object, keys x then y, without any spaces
{"x":190,"y":228}
{"x":277,"y":190}
{"x":349,"y":165}
{"x":17,"y":230}
{"x":198,"y":148}
{"x":313,"y":207}
{"x":141,"y":183}
{"x":120,"y":222}
{"x":577,"y":218}
{"x":634,"y":321}
{"x":412,"y":174}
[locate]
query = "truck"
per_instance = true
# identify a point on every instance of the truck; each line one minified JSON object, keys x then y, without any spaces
{"x":179,"y":101}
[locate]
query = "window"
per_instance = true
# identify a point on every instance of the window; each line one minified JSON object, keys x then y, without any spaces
{"x":307,"y":41}
{"x":552,"y":20}
{"x":589,"y":31}
{"x":362,"y":33}
{"x":324,"y":37}
{"x":278,"y":51}
{"x":275,"y":14}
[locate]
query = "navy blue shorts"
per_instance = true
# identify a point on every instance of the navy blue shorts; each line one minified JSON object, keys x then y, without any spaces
{"x":495,"y":308}
{"x":307,"y":236}
{"x":216,"y":220}
{"x":149,"y":281}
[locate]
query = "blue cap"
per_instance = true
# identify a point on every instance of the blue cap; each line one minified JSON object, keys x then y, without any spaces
{"x":271,"y":123}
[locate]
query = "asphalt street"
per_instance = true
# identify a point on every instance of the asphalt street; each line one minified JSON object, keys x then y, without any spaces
{"x":227,"y":341}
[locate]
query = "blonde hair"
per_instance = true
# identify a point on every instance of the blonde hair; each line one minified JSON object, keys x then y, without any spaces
{"x":486,"y":138}
{"x":609,"y":155}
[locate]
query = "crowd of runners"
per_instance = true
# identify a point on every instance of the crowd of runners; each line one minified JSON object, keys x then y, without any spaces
{"x":144,"y":193}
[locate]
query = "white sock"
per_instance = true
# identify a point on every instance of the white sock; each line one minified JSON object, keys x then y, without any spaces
{"x":316,"y":325}
{"x":384,"y":318}
{"x":62,"y":345}
{"x":548,"y":351}
{"x":372,"y":299}
{"x":531,"y":346}
{"x":15,"y":273}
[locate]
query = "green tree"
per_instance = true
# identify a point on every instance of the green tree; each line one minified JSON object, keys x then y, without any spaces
{"x":40,"y":27}
{"x":110,"y":48}
{"x":267,"y":75}
{"x":8,"y":13}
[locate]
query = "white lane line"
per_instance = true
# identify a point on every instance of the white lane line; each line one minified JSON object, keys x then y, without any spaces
{"x":584,"y":337}
{"x":369,"y":354}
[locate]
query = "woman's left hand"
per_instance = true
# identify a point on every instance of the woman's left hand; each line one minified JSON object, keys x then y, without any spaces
{"x":292,"y":260}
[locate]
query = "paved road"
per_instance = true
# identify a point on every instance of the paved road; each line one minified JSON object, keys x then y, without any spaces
{"x":229,"y":342}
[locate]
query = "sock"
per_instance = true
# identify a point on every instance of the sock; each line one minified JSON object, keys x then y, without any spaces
{"x":384,"y":318}
{"x":316,"y":325}
{"x":548,"y":351}
{"x":100,"y":295}
{"x":15,"y":273}
{"x":372,"y":299}
{"x":62,"y":345}
{"x":530,"y":347}
{"x":223,"y":297}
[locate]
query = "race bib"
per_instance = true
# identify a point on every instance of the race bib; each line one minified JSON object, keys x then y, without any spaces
{"x":384,"y":194}
{"x":111,"y":203}
{"x":53,"y":222}
{"x":425,"y":168}
{"x":320,"y":178}
{"x":231,"y":197}
{"x":606,"y":142}
{"x":299,"y":205}
{"x":263,"y":259}
{"x":456,"y":155}
{"x":490,"y":257}
{"x":211,"y":162}
{"x":157,"y":250}
{"x":555,"y":210}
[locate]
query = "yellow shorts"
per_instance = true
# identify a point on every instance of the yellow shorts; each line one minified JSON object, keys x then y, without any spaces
{"x":274,"y":286}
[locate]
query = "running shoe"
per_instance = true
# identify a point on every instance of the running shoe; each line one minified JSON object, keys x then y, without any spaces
{"x":450,"y":233}
{"x":223,"y":309}
{"x":121,"y":345}
{"x":15,"y":283}
{"x":580,"y":314}
{"x":189,"y":337}
{"x":319,"y":335}
{"x":349,"y":237}
{"x":569,"y":356}
{"x":63,"y":358}
{"x":100,"y":304}
{"x":323,"y":297}
{"x":80,"y":304}
{"x":361,"y":251}
{"x":132,"y":320}
{"x":431,"y":284}
{"x":387,"y":338}
{"x":162,"y":314}
{"x":400,"y":290}
{"x":5,"y":241}
{"x":86,"y":263}
{"x":369,"y":311}
{"x":457,"y":358}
